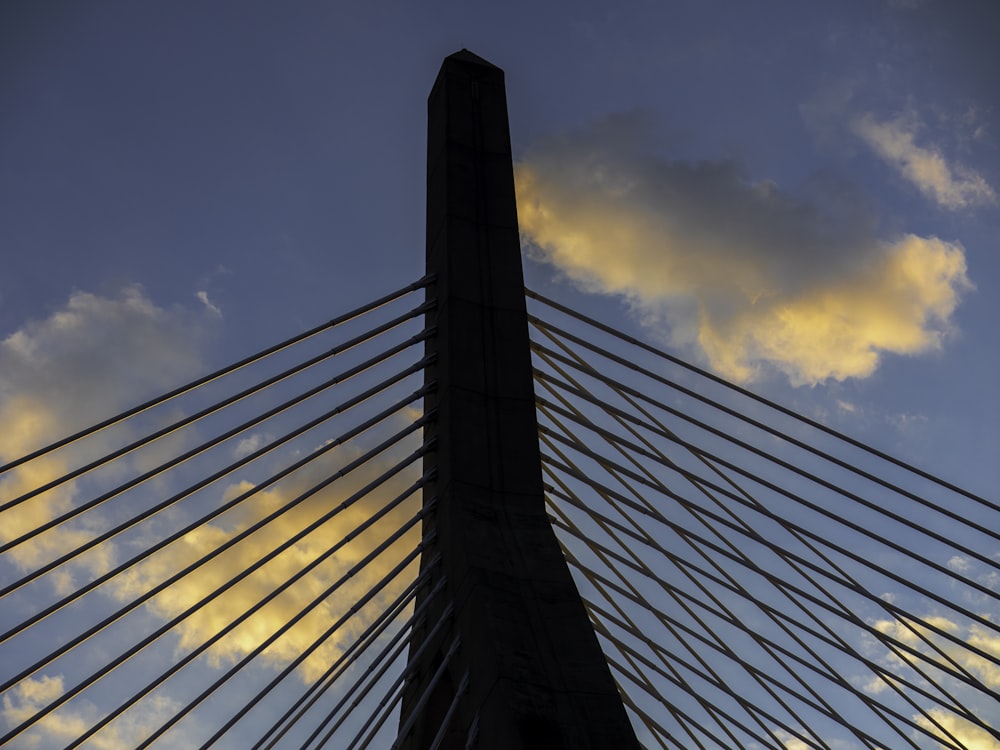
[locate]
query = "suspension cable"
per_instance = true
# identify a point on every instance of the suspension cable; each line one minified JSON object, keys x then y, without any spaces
{"x":225,"y":587}
{"x":645,"y":571}
{"x":353,"y":653}
{"x":443,"y":619}
{"x":737,"y":552}
{"x":738,"y":389}
{"x":601,"y":552}
{"x":718,"y":645}
{"x":753,"y":536}
{"x":750,"y":669}
{"x":947,"y":512}
{"x":323,"y":637}
{"x":980,"y":620}
{"x":193,"y":703}
{"x":257,"y":488}
{"x":163,"y":398}
{"x":600,"y":582}
{"x":463,"y":686}
{"x":963,"y":676}
{"x":624,"y":419}
{"x":228,"y":434}
{"x":407,"y":725}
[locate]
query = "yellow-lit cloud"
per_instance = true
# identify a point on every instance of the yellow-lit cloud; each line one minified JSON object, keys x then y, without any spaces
{"x":100,"y":355}
{"x":967,"y":733}
{"x":85,"y":362}
{"x":212,"y":618}
{"x":975,"y":635}
{"x":950,"y":186}
{"x":71,"y":721}
{"x":980,"y":667}
{"x":749,"y":275}
{"x":791,"y":742}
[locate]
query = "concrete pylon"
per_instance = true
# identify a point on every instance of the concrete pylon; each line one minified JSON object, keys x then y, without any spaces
{"x":531,"y":671}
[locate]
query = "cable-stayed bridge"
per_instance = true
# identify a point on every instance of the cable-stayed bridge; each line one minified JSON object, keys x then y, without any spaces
{"x":468,"y":516}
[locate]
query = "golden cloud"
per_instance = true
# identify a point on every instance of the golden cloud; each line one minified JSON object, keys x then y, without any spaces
{"x":977,"y":665}
{"x":100,"y":355}
{"x":967,"y":733}
{"x":86,"y":361}
{"x":221,"y":611}
{"x":975,"y":636}
{"x":69,"y":722}
{"x":748,"y":275}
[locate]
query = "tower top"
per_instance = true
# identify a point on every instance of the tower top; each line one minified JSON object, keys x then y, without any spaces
{"x":463,"y":55}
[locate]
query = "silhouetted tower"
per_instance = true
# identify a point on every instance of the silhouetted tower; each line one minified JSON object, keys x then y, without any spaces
{"x":518,"y":642}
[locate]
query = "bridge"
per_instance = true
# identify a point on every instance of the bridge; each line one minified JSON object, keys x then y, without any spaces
{"x":466,"y":515}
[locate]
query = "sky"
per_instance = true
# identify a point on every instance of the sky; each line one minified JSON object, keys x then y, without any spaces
{"x":802,"y":197}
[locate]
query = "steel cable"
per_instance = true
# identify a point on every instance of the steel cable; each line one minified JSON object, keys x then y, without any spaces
{"x":624,"y":419}
{"x":388,"y":660}
{"x":978,"y":619}
{"x":743,"y":392}
{"x":228,"y":434}
{"x":285,"y":627}
{"x":257,"y":488}
{"x":644,"y":570}
{"x":750,"y":669}
{"x":963,"y":676}
{"x":326,"y":634}
{"x":953,"y":515}
{"x":352,"y":654}
{"x":205,"y":379}
{"x":218,"y":550}
{"x":711,"y":529}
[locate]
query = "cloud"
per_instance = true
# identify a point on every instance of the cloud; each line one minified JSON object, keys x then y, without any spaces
{"x":959,"y":563}
{"x":249,"y":444}
{"x":73,"y":719}
{"x":791,"y":742}
{"x":983,"y":669}
{"x":748,"y":274}
{"x":86,"y":361}
{"x":975,"y":635}
{"x":968,"y":734}
{"x":950,"y":186}
{"x":212,"y":618}
{"x":99,"y":355}
{"x":202,"y":296}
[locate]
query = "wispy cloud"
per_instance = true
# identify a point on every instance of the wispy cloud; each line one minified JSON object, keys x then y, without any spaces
{"x":951,"y":186}
{"x":202,"y":296}
{"x":249,"y":444}
{"x":750,"y":275}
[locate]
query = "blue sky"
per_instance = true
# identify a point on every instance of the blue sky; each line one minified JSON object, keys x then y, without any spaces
{"x":272,"y":160}
{"x":800,"y":196}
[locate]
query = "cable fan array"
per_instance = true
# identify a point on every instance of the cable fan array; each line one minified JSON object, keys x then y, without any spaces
{"x":757,"y":579}
{"x":236,"y":563}
{"x":230,"y":564}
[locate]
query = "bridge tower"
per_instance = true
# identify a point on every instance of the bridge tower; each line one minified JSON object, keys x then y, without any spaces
{"x":506,"y":656}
